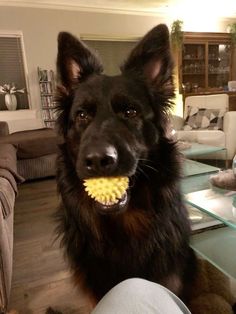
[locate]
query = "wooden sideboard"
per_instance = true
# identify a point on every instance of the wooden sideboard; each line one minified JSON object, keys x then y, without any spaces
{"x":205,"y":63}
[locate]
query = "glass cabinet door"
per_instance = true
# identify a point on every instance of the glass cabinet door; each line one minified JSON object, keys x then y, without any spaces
{"x":193,"y":67}
{"x":218,"y":66}
{"x":206,"y":63}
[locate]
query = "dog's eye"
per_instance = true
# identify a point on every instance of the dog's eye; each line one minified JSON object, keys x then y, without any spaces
{"x":82,"y":115}
{"x":130,"y":113}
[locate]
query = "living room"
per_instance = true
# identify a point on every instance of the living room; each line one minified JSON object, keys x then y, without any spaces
{"x":35,"y":274}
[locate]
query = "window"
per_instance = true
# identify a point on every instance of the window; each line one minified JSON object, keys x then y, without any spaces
{"x":111,"y":52}
{"x":12,"y":68}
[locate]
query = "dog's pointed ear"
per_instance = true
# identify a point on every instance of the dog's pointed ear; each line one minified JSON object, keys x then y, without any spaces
{"x":75,"y":62}
{"x":152,"y":56}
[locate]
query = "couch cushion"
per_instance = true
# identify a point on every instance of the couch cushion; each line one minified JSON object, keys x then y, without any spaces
{"x":7,"y":197}
{"x":6,"y":248}
{"x":19,"y":125}
{"x":216,"y":101}
{"x":40,"y":167}
{"x":202,"y":118}
{"x":20,"y":120}
{"x":209,"y":137}
{"x":32,"y":143}
{"x":4,"y":130}
{"x":8,"y":168}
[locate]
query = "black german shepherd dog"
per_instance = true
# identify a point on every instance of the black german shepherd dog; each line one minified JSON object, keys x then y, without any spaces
{"x":117,"y":126}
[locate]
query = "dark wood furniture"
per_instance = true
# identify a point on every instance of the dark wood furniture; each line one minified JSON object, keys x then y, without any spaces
{"x":206,"y":62}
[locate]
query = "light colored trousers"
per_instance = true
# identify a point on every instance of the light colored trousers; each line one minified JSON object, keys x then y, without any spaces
{"x":139,"y":296}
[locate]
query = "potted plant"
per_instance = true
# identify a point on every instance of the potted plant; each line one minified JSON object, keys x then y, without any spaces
{"x":9,"y":90}
{"x":176,"y":33}
{"x":232,"y":30}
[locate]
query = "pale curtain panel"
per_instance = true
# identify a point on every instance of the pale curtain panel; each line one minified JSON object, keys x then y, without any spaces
{"x":112,"y":53}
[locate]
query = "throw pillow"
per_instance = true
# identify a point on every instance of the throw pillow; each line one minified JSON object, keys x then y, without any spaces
{"x":202,"y":118}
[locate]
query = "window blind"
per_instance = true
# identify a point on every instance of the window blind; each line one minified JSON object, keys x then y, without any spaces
{"x":111,"y":53}
{"x":12,"y":69}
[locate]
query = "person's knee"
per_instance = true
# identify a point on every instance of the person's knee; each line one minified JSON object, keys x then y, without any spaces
{"x":138,"y":285}
{"x":133,"y":282}
{"x":136,"y":295}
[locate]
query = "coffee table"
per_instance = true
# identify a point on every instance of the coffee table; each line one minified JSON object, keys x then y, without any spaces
{"x":216,"y":245}
{"x":196,"y":174}
{"x":197,"y":149}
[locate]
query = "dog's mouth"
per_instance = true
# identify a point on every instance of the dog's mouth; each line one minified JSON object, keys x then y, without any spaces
{"x":110,"y":208}
{"x":110,"y":194}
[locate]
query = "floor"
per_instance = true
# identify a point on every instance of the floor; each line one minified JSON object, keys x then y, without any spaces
{"x":40,"y":274}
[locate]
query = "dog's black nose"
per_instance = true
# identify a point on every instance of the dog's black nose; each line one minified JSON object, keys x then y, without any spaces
{"x":101,"y":160}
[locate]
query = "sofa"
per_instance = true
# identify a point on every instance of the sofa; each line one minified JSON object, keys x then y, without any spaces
{"x":9,"y":178}
{"x":207,"y":120}
{"x":24,"y":155}
{"x":36,"y":150}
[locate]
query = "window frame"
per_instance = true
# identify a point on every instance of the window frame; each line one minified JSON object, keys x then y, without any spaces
{"x":19,"y":34}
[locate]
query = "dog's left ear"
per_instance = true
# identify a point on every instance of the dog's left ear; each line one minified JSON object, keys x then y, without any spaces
{"x":152,"y":56}
{"x":75,"y":62}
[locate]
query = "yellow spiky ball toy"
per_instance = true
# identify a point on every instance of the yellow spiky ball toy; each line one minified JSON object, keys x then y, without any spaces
{"x":106,"y":190}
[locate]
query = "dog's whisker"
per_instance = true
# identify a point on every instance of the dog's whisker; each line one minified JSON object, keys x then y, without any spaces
{"x":141,"y":171}
{"x":152,"y":168}
{"x":146,"y":164}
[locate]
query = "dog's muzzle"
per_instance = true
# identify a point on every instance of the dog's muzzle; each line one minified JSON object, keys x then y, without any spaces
{"x":119,"y":207}
{"x":110,"y":193}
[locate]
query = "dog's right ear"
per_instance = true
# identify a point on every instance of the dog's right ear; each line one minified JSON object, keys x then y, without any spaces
{"x":75,"y":62}
{"x":153,"y":58}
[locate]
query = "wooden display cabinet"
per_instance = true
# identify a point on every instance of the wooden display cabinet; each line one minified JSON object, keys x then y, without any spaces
{"x":206,"y":62}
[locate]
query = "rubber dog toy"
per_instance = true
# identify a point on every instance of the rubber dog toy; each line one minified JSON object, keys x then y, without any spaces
{"x":106,"y":190}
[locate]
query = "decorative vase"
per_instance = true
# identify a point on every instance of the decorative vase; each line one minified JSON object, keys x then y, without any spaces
{"x":10,"y":101}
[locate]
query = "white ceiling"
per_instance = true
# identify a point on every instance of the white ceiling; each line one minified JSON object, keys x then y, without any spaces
{"x":224,"y":9}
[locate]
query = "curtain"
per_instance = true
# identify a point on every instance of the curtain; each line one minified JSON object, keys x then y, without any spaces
{"x":112,"y":53}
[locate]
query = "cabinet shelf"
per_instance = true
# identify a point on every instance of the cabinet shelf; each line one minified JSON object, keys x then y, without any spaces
{"x":214,"y":59}
{"x":218,"y":73}
{"x":193,"y":59}
{"x":202,"y":73}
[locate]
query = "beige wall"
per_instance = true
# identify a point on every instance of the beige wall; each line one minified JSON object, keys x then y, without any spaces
{"x":40,"y":28}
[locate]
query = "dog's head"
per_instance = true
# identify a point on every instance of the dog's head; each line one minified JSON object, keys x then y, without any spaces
{"x":111,"y":124}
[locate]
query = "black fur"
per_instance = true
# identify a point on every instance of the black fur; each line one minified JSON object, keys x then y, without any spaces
{"x":121,"y":122}
{"x":52,"y":311}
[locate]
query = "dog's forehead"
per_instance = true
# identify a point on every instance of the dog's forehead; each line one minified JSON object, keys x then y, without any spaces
{"x":103,"y":86}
